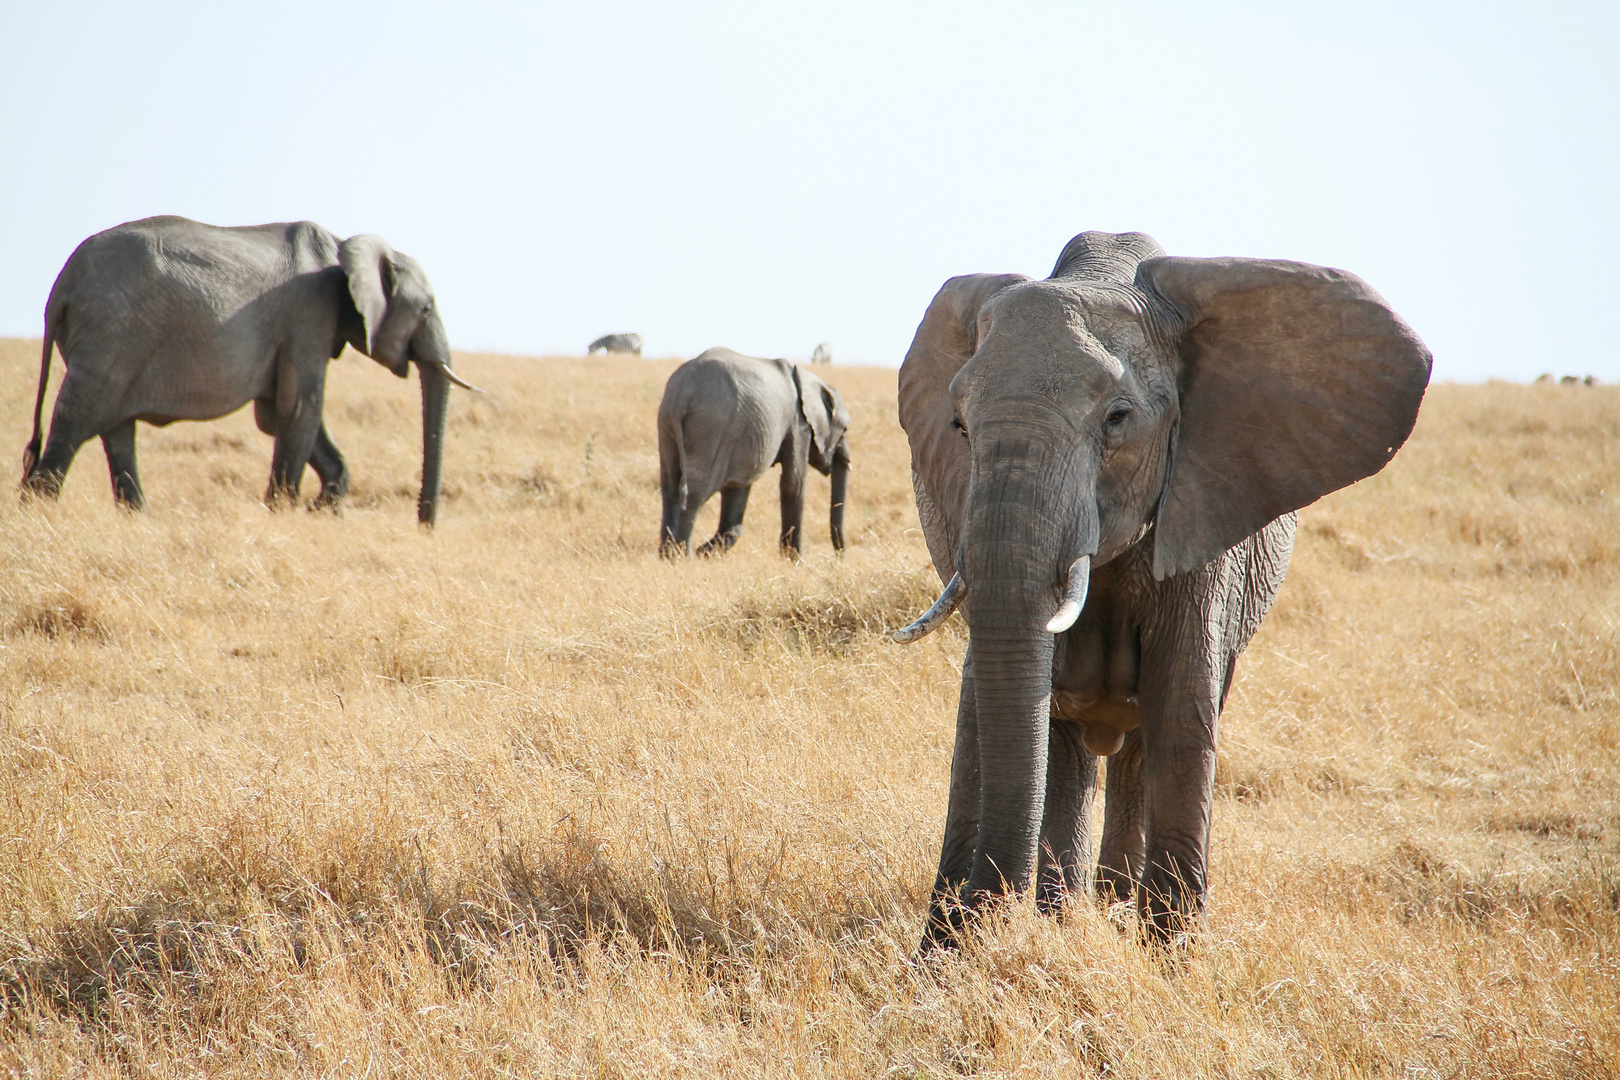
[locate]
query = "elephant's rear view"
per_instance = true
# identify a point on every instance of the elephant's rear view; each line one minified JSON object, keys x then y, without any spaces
{"x":168,"y":319}
{"x":727,"y":418}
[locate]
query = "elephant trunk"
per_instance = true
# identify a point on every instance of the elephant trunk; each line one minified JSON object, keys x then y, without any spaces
{"x":840,"y":493}
{"x":435,"y":407}
{"x":1027,"y":527}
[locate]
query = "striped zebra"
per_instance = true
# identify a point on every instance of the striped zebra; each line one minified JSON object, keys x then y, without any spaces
{"x":616,"y":343}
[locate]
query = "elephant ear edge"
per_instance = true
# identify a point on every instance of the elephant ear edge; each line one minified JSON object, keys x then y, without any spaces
{"x":945,"y":340}
{"x":367,"y":263}
{"x":814,"y":407}
{"x":1297,"y":380}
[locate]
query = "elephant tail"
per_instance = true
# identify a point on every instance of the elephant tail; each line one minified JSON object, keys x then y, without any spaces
{"x":32,"y":451}
{"x":672,"y":462}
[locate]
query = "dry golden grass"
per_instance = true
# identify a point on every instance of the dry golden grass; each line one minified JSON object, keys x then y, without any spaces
{"x":291,"y":793}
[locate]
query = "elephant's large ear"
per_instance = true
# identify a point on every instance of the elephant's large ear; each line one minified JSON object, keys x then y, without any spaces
{"x":1297,"y":380}
{"x":367,"y":261}
{"x":945,"y":340}
{"x":813,"y":407}
{"x":824,"y":411}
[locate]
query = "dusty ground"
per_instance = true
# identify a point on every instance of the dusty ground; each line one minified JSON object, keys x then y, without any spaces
{"x":292,"y":793}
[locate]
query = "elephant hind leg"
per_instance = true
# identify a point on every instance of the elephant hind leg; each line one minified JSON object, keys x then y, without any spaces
{"x":78,"y":416}
{"x":329,"y":465}
{"x":119,"y":444}
{"x":733,"y":501}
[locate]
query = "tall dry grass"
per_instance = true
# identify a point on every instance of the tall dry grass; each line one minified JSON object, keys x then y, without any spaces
{"x":304,"y":794}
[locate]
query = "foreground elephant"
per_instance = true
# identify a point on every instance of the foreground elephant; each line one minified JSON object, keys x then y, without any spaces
{"x":725,"y":419}
{"x":168,"y":319}
{"x":1106,"y":466}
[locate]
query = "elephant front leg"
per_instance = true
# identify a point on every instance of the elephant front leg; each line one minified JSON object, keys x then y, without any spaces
{"x":1071,"y":782}
{"x":1178,"y":769}
{"x":298,"y":426}
{"x":119,"y":444}
{"x":794,"y":467}
{"x":329,"y":465}
{"x":946,"y":916}
{"x":1119,"y":862}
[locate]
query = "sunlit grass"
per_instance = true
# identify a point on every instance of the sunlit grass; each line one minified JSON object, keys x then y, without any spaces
{"x":327,"y":794}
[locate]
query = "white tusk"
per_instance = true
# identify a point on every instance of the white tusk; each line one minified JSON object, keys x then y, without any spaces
{"x":1074,"y":596}
{"x":457,"y":379}
{"x":929,"y":621}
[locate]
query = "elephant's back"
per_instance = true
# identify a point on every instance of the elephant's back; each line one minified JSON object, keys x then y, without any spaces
{"x":732,"y":412}
{"x":724,"y":382}
{"x":170,"y":271}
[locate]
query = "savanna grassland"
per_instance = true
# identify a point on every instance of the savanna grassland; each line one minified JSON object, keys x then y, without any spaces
{"x":311,"y":794}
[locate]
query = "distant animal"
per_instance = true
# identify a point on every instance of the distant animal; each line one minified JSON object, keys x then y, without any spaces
{"x":1544,"y":377}
{"x":168,"y":319}
{"x":1569,"y":380}
{"x":1107,"y":464}
{"x":616,"y":343}
{"x":724,"y":420}
{"x":822,"y":355}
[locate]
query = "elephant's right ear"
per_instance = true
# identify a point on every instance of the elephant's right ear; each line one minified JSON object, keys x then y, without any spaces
{"x":945,"y":340}
{"x":1298,"y":380}
{"x":367,"y":262}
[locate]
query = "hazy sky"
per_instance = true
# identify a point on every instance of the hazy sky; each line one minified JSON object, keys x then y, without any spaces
{"x":767,"y":176}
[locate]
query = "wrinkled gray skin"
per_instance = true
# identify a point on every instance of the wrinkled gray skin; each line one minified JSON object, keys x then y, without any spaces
{"x":724,"y":420}
{"x":616,"y":343}
{"x":1163,"y":417}
{"x":168,"y":319}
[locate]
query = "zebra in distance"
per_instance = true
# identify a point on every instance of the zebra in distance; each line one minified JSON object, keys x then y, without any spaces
{"x":616,"y":343}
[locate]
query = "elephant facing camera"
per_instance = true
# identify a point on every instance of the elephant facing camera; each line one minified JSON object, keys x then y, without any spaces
{"x":1107,"y":464}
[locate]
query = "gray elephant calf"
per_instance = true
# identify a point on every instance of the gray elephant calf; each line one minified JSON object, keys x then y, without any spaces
{"x":724,"y":420}
{"x":1107,"y":464}
{"x":168,"y":319}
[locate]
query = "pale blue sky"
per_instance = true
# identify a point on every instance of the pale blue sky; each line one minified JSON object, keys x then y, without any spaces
{"x":767,"y":176}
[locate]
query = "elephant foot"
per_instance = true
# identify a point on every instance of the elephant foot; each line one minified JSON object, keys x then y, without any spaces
{"x":327,"y":500}
{"x":948,"y":920}
{"x":718,"y":545}
{"x":40,"y":486}
{"x":1171,"y":913}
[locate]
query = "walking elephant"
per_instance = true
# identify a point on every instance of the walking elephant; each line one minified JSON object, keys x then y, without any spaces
{"x":1107,"y":464}
{"x":168,"y":319}
{"x":725,"y":419}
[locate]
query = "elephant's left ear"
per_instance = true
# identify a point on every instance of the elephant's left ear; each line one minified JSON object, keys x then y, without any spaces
{"x":1297,"y":380}
{"x":818,"y":404}
{"x":367,"y":262}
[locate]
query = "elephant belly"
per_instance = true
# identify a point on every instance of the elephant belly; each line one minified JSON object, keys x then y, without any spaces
{"x":1095,"y":672}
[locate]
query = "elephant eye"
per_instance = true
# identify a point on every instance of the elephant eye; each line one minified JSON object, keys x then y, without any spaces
{"x":959,"y":426}
{"x":1117,"y":415}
